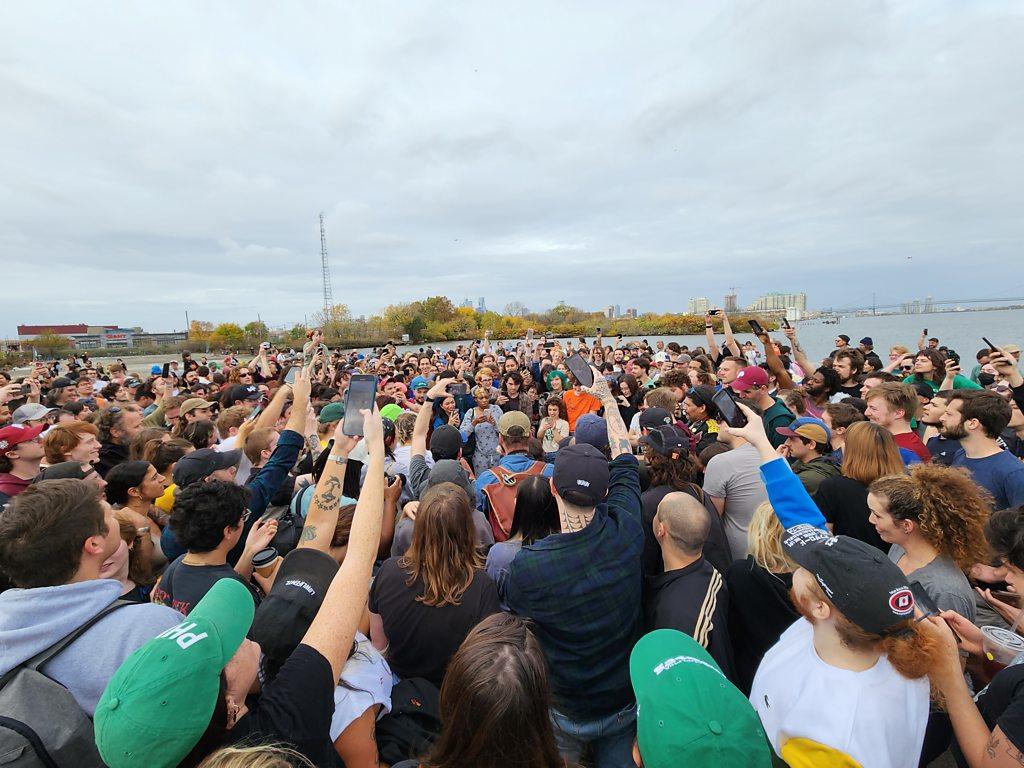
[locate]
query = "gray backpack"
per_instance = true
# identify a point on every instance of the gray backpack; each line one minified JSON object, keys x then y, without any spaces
{"x":41,"y":724}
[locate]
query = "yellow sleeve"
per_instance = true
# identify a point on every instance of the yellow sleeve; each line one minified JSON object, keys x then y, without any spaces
{"x":805,"y":753}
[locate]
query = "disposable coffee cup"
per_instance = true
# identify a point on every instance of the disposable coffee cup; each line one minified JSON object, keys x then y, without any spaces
{"x":1000,"y":646}
{"x":263,"y":562}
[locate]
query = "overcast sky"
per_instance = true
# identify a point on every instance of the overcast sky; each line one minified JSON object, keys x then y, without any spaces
{"x":160,"y":157}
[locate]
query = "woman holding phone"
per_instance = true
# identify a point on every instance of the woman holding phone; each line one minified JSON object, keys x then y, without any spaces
{"x":482,"y":421}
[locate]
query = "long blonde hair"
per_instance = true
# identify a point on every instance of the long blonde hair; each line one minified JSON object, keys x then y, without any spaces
{"x":266,"y":756}
{"x":764,"y":540}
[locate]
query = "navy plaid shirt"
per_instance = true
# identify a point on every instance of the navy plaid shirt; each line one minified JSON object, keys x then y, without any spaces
{"x":582,"y":591}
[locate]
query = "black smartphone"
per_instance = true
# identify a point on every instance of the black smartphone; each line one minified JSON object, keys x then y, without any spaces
{"x":923,"y":601}
{"x":714,"y":311}
{"x":580,"y":368}
{"x":925,"y":331}
{"x":785,"y":323}
{"x":548,"y":344}
{"x":167,"y":370}
{"x":362,"y":391}
{"x":599,"y":331}
{"x":725,"y":401}
{"x":289,"y":377}
{"x":990,"y":344}
{"x":457,"y":390}
{"x":953,"y":355}
{"x":755,"y":328}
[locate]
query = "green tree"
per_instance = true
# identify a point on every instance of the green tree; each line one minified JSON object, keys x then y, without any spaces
{"x":51,"y":344}
{"x":256,"y":332}
{"x":228,"y":335}
{"x":437,"y":309}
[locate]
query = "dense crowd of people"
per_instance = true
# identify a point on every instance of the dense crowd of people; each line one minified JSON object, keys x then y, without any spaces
{"x":533,"y":553}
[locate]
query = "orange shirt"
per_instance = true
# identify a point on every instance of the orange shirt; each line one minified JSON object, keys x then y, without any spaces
{"x":578,"y":404}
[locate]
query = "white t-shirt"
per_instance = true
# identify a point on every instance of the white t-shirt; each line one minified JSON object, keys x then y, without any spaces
{"x":821,"y":716}
{"x":367,"y":671}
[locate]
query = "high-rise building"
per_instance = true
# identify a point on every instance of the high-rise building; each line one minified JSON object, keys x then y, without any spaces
{"x":699,"y":306}
{"x":928,"y":305}
{"x":481,"y":307}
{"x":466,"y":303}
{"x":609,"y":311}
{"x":730,"y":302}
{"x":618,"y":311}
{"x":780,"y":302}
{"x":631,"y":313}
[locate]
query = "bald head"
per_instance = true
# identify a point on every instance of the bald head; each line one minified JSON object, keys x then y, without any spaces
{"x":686,"y":523}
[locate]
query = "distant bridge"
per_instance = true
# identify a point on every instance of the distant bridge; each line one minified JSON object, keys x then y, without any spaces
{"x":933,"y":302}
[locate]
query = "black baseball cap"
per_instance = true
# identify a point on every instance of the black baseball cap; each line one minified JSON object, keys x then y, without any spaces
{"x":60,"y":382}
{"x":193,"y":467}
{"x":243,"y":392}
{"x":844,"y":337}
{"x":666,"y":440}
{"x":581,"y":475}
{"x":865,"y":585}
{"x":445,"y":443}
{"x":655,"y":417}
{"x":867,"y":342}
{"x":63,"y":471}
{"x":285,"y":614}
{"x":704,"y":395}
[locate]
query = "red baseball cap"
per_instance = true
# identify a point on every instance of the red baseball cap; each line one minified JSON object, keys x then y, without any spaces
{"x":17,"y":433}
{"x":749,"y":377}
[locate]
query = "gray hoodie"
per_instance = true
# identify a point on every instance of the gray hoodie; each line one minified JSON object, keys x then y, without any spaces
{"x":32,"y":620}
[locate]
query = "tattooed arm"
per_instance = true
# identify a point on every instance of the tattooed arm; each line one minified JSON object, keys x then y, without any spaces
{"x":322,"y":518}
{"x":618,"y":435}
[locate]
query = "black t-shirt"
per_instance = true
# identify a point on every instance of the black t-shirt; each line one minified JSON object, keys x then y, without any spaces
{"x":296,"y":708}
{"x":852,"y":390}
{"x":844,"y":503}
{"x":423,"y":638}
{"x":716,"y":547}
{"x":1002,"y":704}
{"x":693,"y":600}
{"x":759,"y":612}
{"x":183,"y":585}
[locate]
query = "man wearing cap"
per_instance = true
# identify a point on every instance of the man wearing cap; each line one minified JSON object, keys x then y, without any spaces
{"x":62,"y":391}
{"x":807,"y":448}
{"x":581,"y":588}
{"x":847,"y":683}
{"x":241,"y":394}
{"x":21,"y":451}
{"x":690,"y":594}
{"x":54,"y":539}
{"x":31,"y":414}
{"x":74,"y":470}
{"x":418,"y":386}
{"x":688,"y":713}
{"x":842,"y":342}
{"x":195,"y":409}
{"x":751,"y":384}
{"x":513,"y":442}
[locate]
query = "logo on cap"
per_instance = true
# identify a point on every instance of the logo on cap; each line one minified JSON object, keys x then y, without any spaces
{"x":902,"y":601}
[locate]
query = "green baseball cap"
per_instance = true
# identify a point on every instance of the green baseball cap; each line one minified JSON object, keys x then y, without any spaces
{"x":331,"y":412}
{"x":688,"y":713}
{"x":391,"y":411}
{"x":159,"y":702}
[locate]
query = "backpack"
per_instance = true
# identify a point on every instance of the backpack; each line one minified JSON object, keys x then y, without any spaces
{"x":410,"y":728}
{"x":41,"y":724}
{"x":502,"y":497}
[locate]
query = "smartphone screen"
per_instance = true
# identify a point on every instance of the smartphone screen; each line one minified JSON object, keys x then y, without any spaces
{"x":925,"y":331}
{"x":167,"y":370}
{"x":726,"y":404}
{"x":457,"y":390}
{"x":756,"y":328}
{"x":579,"y":368}
{"x":785,"y":323}
{"x":362,"y":391}
{"x":548,"y":344}
{"x":289,"y":378}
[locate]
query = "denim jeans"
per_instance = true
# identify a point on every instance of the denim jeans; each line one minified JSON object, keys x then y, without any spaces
{"x":610,"y":738}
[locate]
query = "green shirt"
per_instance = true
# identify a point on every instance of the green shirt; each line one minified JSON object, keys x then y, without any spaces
{"x":959,"y":382}
{"x":777,"y":416}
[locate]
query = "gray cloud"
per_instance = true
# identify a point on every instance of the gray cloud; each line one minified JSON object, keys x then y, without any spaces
{"x":158,"y":158}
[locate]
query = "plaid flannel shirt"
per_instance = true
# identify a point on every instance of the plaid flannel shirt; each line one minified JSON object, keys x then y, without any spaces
{"x":582,"y":591}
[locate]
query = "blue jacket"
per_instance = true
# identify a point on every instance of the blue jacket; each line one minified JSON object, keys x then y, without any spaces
{"x":514,"y":462}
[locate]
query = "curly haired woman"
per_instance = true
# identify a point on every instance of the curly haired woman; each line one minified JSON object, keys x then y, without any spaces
{"x":934,"y":518}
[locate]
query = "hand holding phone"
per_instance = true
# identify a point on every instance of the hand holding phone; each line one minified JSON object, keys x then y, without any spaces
{"x":725,"y":401}
{"x":756,"y":328}
{"x":361,"y":395}
{"x":991,"y":346}
{"x":785,"y":323}
{"x":580,"y":369}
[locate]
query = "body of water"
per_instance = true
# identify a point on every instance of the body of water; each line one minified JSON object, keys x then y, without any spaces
{"x":961,"y":331}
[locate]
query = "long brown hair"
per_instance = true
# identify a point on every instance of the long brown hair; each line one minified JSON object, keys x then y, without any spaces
{"x":949,"y":508}
{"x":870,"y":452}
{"x":495,"y":700}
{"x":443,"y":550}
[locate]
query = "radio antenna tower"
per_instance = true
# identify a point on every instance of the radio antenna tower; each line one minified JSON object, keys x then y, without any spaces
{"x":325,"y":266}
